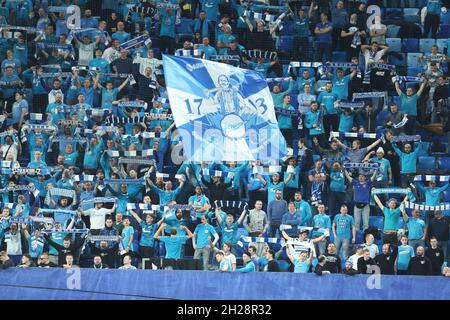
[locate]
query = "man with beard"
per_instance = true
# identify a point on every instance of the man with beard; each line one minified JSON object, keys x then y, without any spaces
{"x":419,"y":265}
{"x":386,"y":259}
{"x":333,"y":262}
{"x":365,"y":263}
{"x":436,"y":256}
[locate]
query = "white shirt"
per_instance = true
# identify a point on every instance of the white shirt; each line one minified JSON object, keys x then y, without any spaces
{"x":231,"y":257}
{"x":97,"y":217}
{"x":153,"y":63}
{"x":354,"y":259}
{"x":6,"y":150}
{"x":85,"y":53}
{"x":373,"y":248}
{"x":110,"y":54}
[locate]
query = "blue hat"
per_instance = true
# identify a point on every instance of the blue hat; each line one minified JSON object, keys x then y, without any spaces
{"x":349,"y":262}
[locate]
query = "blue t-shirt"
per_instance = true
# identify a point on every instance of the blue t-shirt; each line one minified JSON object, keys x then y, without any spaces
{"x":122,"y":36}
{"x":391,"y":218}
{"x":405,"y":253}
{"x":272,"y":188}
{"x":173,"y":246}
{"x":324,"y":37}
{"x":321,"y":221}
{"x":361,"y":191}
{"x":167,"y":25}
{"x":225,"y":263}
{"x":416,"y":227}
{"x":408,"y":104}
{"x":340,"y":87}
{"x":229,"y":232}
{"x":344,"y":225}
{"x":328,"y":99}
{"x":148,"y":231}
{"x":198,"y":201}
{"x":301,"y":266}
{"x":203,"y":232}
{"x":127,"y":232}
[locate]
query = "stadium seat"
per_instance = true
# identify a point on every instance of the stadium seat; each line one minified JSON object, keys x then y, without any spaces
{"x":162,"y":249}
{"x":286,"y":43}
{"x":397,"y":61}
{"x":424,"y":146}
{"x":412,"y":60}
{"x":414,"y":71}
{"x":284,"y":265}
{"x":410,"y":45}
{"x":359,"y":236}
{"x":411,"y":15}
{"x":393,"y":13}
{"x":377,"y":222}
{"x":427,"y":163}
{"x":339,"y":56}
{"x":185,"y":26}
{"x":426,"y":44}
{"x":442,"y":44}
{"x":444,"y":31}
{"x":285,"y":70}
{"x":446,"y":195}
{"x":392,"y":30}
{"x":395,"y":44}
{"x":410,"y":4}
{"x":443,"y":163}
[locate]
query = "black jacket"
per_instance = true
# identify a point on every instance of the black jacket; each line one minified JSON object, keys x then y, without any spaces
{"x":108,"y":255}
{"x":63,"y":251}
{"x":319,"y":269}
{"x":333,"y":263}
{"x":363,"y":265}
{"x":216,"y":190}
{"x":436,"y":257}
{"x":420,"y":266}
{"x":272,"y":266}
{"x":386,"y":262}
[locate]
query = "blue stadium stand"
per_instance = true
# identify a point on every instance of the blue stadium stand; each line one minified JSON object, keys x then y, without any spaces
{"x":411,"y":15}
{"x":376,"y":222}
{"x":339,"y":56}
{"x":395,"y":44}
{"x":359,"y":237}
{"x":410,"y":45}
{"x":426,"y":44}
{"x":392,"y":30}
{"x":397,"y":61}
{"x":288,"y":28}
{"x":427,"y":163}
{"x":413,"y":71}
{"x":446,"y":195}
{"x":444,"y":31}
{"x":412,"y":60}
{"x":443,"y":163}
{"x":286,"y":43}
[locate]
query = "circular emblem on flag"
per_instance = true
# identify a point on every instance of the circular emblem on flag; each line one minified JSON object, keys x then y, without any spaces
{"x":233,"y":126}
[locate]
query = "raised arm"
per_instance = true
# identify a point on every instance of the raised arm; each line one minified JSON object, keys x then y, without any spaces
{"x":241,"y":218}
{"x":289,"y":253}
{"x":373,"y":145}
{"x":397,"y":88}
{"x":158,"y":232}
{"x":422,"y":86}
{"x":136,"y":216}
{"x":378,"y":202}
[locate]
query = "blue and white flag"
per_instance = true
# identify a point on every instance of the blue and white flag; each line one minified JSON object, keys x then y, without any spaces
{"x":222,"y":113}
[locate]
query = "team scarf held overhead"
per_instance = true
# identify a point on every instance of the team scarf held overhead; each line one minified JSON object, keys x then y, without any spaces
{"x":340,"y":134}
{"x":375,"y":65}
{"x":405,"y":138}
{"x":424,"y":207}
{"x":217,"y":173}
{"x":367,"y":166}
{"x":424,"y":178}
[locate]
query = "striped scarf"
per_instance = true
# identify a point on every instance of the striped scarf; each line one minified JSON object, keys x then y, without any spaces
{"x":225,"y":57}
{"x":340,"y":134}
{"x":60,"y":193}
{"x":423,"y":178}
{"x":277,"y":80}
{"x":160,"y":99}
{"x":124,"y":181}
{"x":258,"y":54}
{"x":134,"y":153}
{"x":217,"y":173}
{"x":367,"y":95}
{"x":133,"y":104}
{"x":135,"y":41}
{"x":353,"y":165}
{"x":136,"y":161}
{"x":189,"y":52}
{"x":85,"y":178}
{"x":350,"y":105}
{"x":103,"y":238}
{"x":159,"y":116}
{"x":27,"y":171}
{"x":231,"y":204}
{"x":99,"y":200}
{"x":405,"y":138}
{"x":285,"y":112}
{"x":423,"y":207}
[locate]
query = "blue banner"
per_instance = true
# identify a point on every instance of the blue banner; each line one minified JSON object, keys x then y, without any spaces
{"x":222,"y":113}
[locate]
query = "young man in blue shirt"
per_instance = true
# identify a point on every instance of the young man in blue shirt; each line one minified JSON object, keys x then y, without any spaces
{"x":229,"y":227}
{"x":174,"y":242}
{"x":343,"y":230}
{"x":201,"y":241}
{"x":417,"y":230}
{"x":249,"y":265}
{"x":224,"y":264}
{"x":301,"y":263}
{"x":408,"y":160}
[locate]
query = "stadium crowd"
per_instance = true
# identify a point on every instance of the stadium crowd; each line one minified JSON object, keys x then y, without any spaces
{"x":91,"y":174}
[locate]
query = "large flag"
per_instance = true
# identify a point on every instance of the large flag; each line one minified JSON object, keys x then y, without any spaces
{"x":222,"y":113}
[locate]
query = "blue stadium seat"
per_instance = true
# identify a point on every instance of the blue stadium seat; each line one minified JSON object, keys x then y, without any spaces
{"x":424,"y":146}
{"x":414,"y":71}
{"x":441,"y":43}
{"x":411,"y":15}
{"x":410,"y":45}
{"x":285,"y":70}
{"x":283,"y":264}
{"x":162,"y":249}
{"x":395,"y":44}
{"x":339,"y":56}
{"x":427,"y":163}
{"x":359,"y":236}
{"x":400,"y":223}
{"x":410,"y":4}
{"x":443,"y":163}
{"x":444,"y":31}
{"x":426,"y":44}
{"x":392,"y":30}
{"x":445,"y":17}
{"x":412,"y":60}
{"x":377,"y":222}
{"x":316,"y":157}
{"x":393,"y":13}
{"x":397,"y":61}
{"x":185,"y":26}
{"x":286,"y":43}
{"x":446,"y":195}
